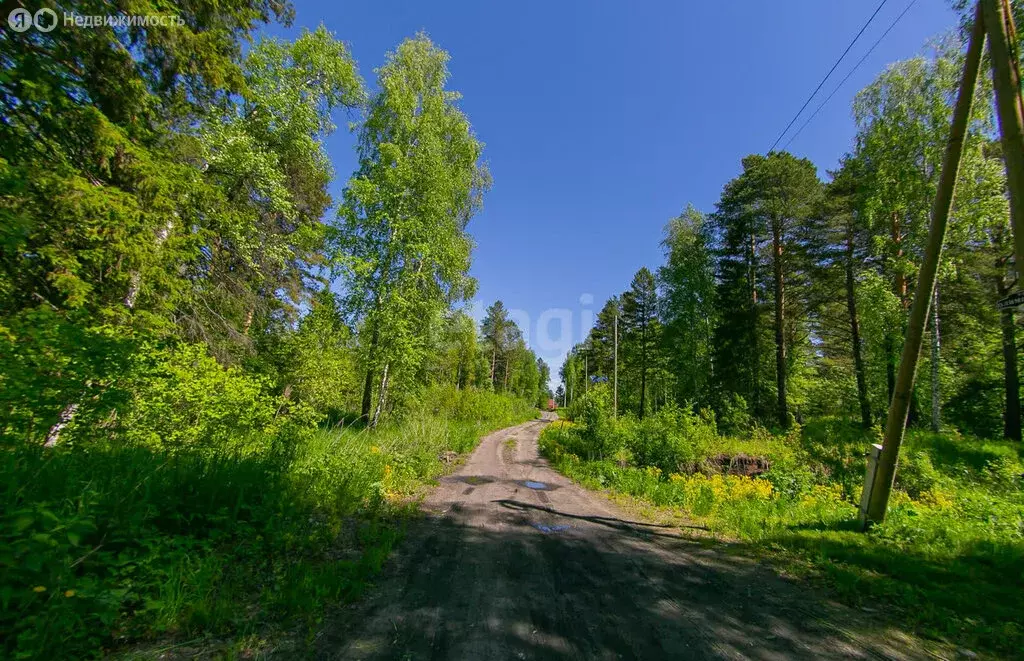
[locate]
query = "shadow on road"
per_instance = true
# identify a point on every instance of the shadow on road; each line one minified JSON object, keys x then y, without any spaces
{"x":635,"y":527}
{"x":483,"y":585}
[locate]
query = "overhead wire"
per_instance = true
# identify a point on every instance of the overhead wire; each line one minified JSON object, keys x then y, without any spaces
{"x":830,"y":71}
{"x":855,"y":67}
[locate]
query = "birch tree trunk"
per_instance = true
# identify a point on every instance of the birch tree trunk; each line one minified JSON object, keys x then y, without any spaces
{"x":381,"y":396}
{"x":67,"y":414}
{"x":936,"y":389}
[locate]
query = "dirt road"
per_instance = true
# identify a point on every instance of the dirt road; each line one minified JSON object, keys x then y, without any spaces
{"x":513,"y":561}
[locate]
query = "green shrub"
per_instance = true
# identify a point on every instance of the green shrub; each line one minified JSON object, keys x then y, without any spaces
{"x":950,"y":553}
{"x":733,"y":415}
{"x":183,"y":398}
{"x":672,"y":439}
{"x":916,"y":475}
{"x":222,"y":535}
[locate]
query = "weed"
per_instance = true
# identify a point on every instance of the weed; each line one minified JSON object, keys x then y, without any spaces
{"x":949,"y":556}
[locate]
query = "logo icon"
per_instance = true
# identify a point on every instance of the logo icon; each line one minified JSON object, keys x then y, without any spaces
{"x":21,"y":20}
{"x":45,"y":19}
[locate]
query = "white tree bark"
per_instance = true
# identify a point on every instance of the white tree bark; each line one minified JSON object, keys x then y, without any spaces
{"x":381,"y":396}
{"x":936,"y":389}
{"x":67,"y":415}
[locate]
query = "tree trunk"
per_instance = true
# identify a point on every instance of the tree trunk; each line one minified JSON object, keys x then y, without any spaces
{"x":780,"y":317}
{"x":900,"y":282}
{"x":67,"y":414}
{"x":247,"y":324}
{"x":890,"y":365}
{"x":364,"y":412}
{"x":858,"y":358}
{"x":755,"y":352}
{"x":135,"y":284}
{"x":643,"y":378}
{"x":1011,"y":379}
{"x":936,"y":403}
{"x":382,"y":396}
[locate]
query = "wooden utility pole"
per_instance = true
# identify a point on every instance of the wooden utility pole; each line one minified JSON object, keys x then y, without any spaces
{"x":885,"y":472}
{"x":615,"y":372}
{"x":1002,"y":38}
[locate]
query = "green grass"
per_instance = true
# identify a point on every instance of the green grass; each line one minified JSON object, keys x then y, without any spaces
{"x":948,"y":561}
{"x":104,"y":547}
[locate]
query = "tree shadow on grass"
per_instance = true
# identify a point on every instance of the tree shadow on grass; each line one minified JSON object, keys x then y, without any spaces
{"x":139,"y":540}
{"x":975,"y":597}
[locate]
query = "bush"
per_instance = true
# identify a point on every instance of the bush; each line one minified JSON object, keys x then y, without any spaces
{"x":916,"y":475}
{"x":734,"y":415}
{"x":183,"y":398}
{"x":949,"y":553}
{"x":183,"y":532}
{"x":673,"y":439}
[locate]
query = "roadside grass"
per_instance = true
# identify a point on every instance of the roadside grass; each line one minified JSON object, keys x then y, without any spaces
{"x":107,"y":547}
{"x":948,"y":561}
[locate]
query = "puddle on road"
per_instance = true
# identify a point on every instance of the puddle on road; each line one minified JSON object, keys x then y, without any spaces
{"x":534,"y":485}
{"x":543,"y":528}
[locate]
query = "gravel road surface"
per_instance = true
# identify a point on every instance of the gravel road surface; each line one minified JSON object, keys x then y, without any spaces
{"x":514,"y":561}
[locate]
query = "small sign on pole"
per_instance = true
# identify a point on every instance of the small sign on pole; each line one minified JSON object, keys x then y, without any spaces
{"x":869,"y":482}
{"x":1013,"y":300}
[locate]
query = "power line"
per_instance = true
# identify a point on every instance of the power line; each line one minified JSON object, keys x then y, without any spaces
{"x":816,"y":89}
{"x":843,"y":81}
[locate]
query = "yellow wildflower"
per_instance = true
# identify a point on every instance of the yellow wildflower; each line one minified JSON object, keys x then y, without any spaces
{"x":39,"y":588}
{"x":69,"y":593}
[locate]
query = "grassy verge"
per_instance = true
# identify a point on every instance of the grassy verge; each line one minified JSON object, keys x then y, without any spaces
{"x":106,"y":547}
{"x":949,"y":559}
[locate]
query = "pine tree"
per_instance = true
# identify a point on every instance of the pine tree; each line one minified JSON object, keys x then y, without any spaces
{"x":641,"y":330}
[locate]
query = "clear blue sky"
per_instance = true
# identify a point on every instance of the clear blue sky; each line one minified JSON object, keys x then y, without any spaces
{"x":603,"y":120}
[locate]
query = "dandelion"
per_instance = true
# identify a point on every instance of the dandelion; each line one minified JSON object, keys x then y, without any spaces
{"x":39,"y":588}
{"x":69,"y":593}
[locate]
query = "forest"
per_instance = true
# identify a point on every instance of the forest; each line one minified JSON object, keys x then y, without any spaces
{"x":223,"y":391}
{"x":215,"y":380}
{"x":787,"y":300}
{"x":740,"y":383}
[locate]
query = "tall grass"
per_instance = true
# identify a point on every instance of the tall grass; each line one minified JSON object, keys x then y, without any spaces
{"x":949,"y":556}
{"x":105,"y":545}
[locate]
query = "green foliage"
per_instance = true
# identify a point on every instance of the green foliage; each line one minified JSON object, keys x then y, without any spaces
{"x":641,"y":335}
{"x":182,"y":399}
{"x":687,"y":281}
{"x":321,"y":370}
{"x":170,"y":340}
{"x":401,"y":241}
{"x":946,"y":555}
{"x":158,"y":538}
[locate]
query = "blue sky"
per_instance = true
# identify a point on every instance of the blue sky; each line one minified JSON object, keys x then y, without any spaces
{"x":602,"y":120}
